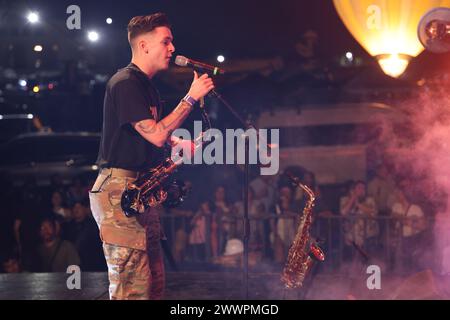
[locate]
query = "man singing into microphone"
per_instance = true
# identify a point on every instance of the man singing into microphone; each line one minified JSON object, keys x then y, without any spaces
{"x":132,"y":139}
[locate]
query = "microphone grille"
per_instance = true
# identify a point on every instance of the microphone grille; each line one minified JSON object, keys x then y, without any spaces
{"x":181,"y":61}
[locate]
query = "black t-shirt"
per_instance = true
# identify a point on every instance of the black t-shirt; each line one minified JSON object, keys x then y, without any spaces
{"x":130,"y":97}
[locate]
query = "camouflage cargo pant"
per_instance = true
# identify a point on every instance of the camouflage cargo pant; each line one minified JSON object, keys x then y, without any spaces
{"x":131,"y":246}
{"x":131,"y":274}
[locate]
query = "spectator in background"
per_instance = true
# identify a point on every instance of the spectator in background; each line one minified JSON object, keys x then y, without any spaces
{"x":26,"y":226}
{"x":264,"y":188}
{"x":284,"y":225}
{"x":256,"y":212}
{"x":55,"y":254}
{"x":224,"y":219}
{"x":302,"y":68}
{"x":410,"y":226}
{"x":177,"y":222}
{"x":381,"y":189}
{"x":11,"y":264}
{"x":82,"y":231}
{"x":197,"y":236}
{"x":59,"y":208}
{"x":228,"y":177}
{"x":361,"y":229}
{"x":77,"y":192}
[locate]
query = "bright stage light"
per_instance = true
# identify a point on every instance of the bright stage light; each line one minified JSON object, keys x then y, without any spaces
{"x":109,"y":20}
{"x":33,"y":17}
{"x":349,"y":56}
{"x":220,"y":58}
{"x":38,"y":48}
{"x":93,"y":36}
{"x":22,"y":82}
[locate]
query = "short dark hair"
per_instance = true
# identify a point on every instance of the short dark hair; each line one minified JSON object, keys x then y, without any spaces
{"x":143,"y":24}
{"x":355,"y":183}
{"x":50,"y":219}
{"x":84,"y":202}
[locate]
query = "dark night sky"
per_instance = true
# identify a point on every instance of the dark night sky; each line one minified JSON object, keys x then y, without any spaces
{"x":202,"y":28}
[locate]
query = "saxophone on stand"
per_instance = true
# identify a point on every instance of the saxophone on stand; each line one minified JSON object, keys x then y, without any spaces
{"x":304,"y":251}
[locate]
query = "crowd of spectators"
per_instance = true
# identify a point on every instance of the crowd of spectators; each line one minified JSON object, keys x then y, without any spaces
{"x":51,"y":228}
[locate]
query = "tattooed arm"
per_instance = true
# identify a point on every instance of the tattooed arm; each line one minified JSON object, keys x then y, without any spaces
{"x":159,"y":132}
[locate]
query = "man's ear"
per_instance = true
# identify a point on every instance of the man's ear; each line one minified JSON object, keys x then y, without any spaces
{"x":142,"y":44}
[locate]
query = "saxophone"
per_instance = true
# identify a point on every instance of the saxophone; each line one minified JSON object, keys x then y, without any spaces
{"x":303,"y":251}
{"x":153,"y":188}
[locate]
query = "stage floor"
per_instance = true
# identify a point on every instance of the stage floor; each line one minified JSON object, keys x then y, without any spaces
{"x":226,"y":286}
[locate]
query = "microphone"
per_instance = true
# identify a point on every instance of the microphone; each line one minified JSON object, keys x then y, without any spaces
{"x":434,"y":30}
{"x":186,"y":62}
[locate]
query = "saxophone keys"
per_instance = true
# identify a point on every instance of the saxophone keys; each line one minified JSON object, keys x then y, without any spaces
{"x":162,"y":195}
{"x":152,"y":202}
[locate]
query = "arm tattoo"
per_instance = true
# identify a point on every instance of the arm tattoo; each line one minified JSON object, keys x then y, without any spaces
{"x":182,"y":108}
{"x":180,"y":111}
{"x":146,"y":128}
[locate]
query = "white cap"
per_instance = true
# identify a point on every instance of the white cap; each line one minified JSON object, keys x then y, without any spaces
{"x":234,"y":246}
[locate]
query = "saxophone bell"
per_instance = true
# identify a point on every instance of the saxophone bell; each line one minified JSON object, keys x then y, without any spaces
{"x":316,"y":252}
{"x":130,"y":201}
{"x":177,"y":191}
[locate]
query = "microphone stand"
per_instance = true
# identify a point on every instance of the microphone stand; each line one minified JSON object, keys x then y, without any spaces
{"x":246,"y":219}
{"x":247,"y":126}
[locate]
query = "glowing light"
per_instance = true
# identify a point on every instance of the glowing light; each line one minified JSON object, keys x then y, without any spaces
{"x":393,"y":64}
{"x":94,"y":167}
{"x":36,"y":89}
{"x":30,"y":116}
{"x":38,"y":48}
{"x":387,"y":27}
{"x":22,"y":82}
{"x":349,"y":56}
{"x":93,"y":36}
{"x":109,"y":20}
{"x":51,"y":86}
{"x":220,"y":58}
{"x":421,"y":82}
{"x":33,"y":17}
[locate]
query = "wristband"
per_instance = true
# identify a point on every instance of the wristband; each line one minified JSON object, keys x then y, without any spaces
{"x":190,"y":100}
